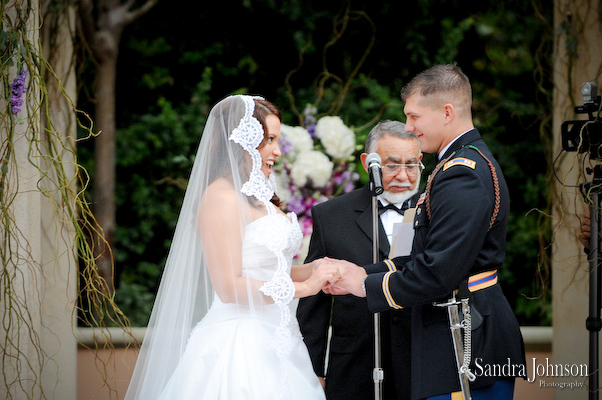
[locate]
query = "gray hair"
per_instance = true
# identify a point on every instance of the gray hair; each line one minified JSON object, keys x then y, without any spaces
{"x":442,"y":84}
{"x":387,"y":127}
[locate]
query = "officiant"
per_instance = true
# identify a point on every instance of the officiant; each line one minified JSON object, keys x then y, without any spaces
{"x":342,"y":229}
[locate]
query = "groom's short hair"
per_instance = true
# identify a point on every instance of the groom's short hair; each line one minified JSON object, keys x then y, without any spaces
{"x":439,"y":85}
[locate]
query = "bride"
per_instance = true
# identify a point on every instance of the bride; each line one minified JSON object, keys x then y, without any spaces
{"x":221,"y":326}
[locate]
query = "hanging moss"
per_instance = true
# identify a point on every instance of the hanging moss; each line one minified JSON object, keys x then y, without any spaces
{"x":26,"y":115}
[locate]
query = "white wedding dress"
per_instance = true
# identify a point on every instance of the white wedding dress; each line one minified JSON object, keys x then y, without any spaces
{"x":237,"y":354}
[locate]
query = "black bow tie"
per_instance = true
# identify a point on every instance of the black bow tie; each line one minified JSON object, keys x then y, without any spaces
{"x":401,"y":211}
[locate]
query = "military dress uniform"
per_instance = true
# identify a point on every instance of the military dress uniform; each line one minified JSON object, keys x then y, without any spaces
{"x":460,"y":234}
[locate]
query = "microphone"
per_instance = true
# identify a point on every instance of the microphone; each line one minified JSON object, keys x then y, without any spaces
{"x":376,"y":174}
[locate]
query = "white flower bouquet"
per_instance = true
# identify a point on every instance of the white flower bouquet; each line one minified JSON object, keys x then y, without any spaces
{"x":317,"y":164}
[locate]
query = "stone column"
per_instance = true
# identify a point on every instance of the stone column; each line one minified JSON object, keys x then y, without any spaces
{"x":20,"y":233}
{"x":58,"y":261}
{"x":577,"y":58}
{"x":39,"y":273}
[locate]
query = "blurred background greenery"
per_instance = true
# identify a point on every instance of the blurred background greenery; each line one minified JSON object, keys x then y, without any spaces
{"x":348,"y":58}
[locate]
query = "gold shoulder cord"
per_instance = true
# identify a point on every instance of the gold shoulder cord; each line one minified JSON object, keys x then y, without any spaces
{"x":496,"y":185}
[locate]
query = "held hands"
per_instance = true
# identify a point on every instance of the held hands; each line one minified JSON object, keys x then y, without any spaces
{"x":323,"y":273}
{"x":350,"y":280}
{"x":335,"y":277}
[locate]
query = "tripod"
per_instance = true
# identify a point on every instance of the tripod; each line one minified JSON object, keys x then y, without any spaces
{"x":591,"y":192}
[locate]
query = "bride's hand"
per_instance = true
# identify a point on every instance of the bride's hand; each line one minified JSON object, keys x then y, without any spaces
{"x":323,"y":273}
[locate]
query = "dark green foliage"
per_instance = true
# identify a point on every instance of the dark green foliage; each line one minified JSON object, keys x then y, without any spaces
{"x":251,"y":46}
{"x":155,"y":155}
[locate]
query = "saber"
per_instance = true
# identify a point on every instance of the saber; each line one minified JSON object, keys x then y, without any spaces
{"x":461,"y":350}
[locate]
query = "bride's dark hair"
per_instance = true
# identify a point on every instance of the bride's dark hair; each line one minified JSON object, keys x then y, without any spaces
{"x":220,"y":168}
{"x":263,"y":108}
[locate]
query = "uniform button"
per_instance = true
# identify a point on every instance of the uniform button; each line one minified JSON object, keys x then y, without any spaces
{"x":418,"y":211}
{"x":416,"y":224}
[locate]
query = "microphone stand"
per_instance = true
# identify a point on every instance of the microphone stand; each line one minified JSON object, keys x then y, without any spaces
{"x":377,"y":372}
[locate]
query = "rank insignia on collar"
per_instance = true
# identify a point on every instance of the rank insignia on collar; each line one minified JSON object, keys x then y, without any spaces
{"x":460,"y":161}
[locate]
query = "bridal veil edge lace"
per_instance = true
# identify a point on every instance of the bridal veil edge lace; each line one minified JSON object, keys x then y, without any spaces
{"x":228,"y":149}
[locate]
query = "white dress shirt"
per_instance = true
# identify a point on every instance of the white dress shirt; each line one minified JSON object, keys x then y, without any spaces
{"x":390,"y":217}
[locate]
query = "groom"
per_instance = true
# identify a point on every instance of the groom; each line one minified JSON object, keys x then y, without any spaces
{"x":459,"y":241}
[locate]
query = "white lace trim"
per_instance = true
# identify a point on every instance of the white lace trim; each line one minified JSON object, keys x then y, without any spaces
{"x":284,"y":240}
{"x":249,"y":135}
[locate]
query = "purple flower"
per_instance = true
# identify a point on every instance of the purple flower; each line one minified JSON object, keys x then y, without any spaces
{"x":309,"y":203}
{"x":349,"y":187}
{"x":306,"y":225}
{"x":17,"y":90}
{"x":309,"y":121}
{"x":346,"y":179}
{"x":312,"y":130}
{"x":340,"y":178}
{"x":286,"y":146}
{"x":295,"y":204}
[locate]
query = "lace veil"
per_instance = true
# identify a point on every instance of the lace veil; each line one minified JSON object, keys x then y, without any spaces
{"x":227,"y":156}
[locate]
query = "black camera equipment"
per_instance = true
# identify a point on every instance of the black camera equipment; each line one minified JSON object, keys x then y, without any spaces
{"x":591,"y":194}
{"x":586,"y":136}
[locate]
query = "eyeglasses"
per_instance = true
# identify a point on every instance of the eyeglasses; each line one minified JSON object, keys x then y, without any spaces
{"x":394,"y":169}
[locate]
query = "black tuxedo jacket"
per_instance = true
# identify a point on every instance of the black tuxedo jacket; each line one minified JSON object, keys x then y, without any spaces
{"x":342,"y":229}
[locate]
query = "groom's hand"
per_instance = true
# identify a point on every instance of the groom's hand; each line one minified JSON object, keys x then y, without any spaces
{"x":350,"y":281}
